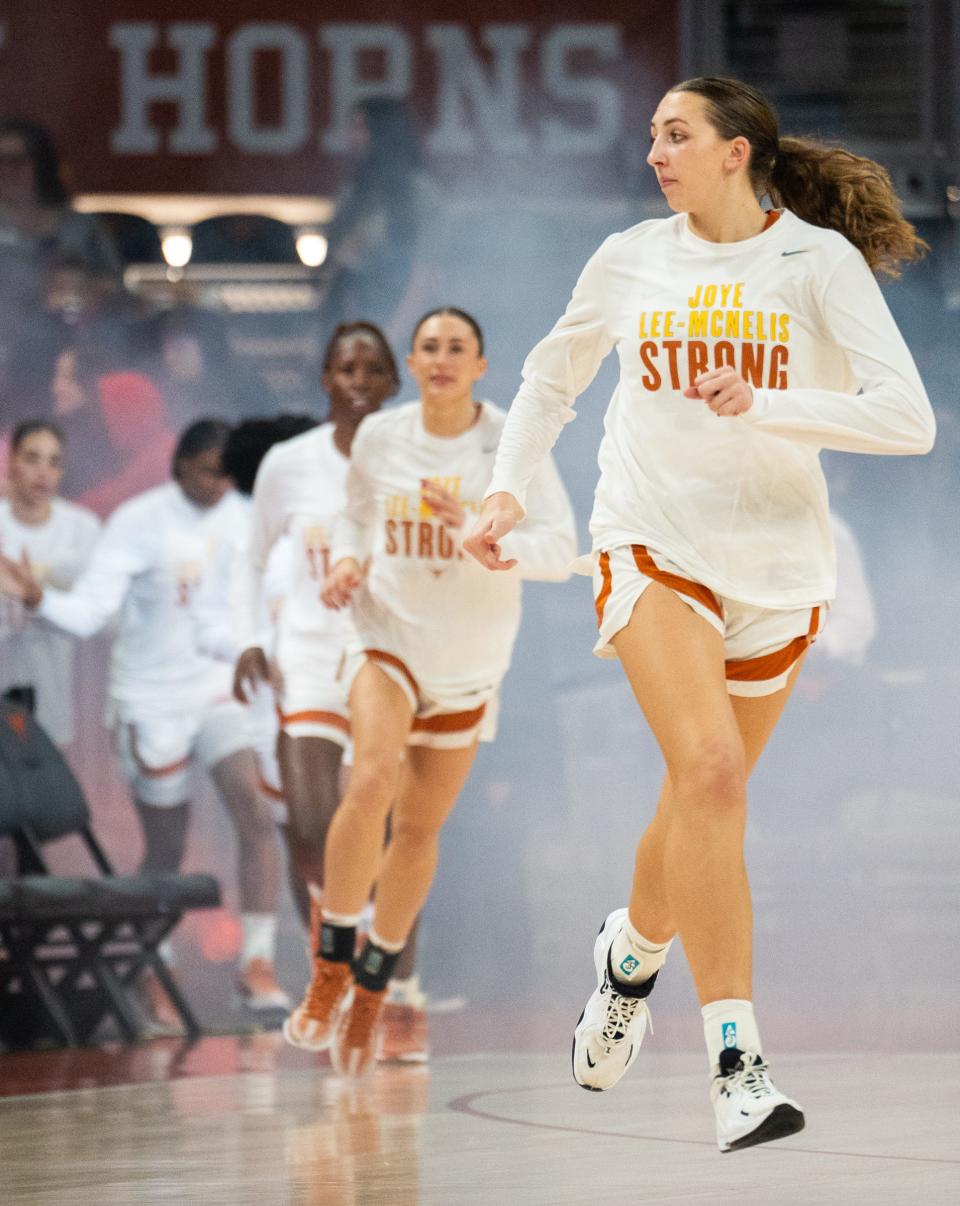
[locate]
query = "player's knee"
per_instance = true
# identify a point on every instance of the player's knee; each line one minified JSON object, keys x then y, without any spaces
{"x":710,"y":776}
{"x":252,"y":813}
{"x":306,"y":835}
{"x":414,"y":836}
{"x":373,"y":783}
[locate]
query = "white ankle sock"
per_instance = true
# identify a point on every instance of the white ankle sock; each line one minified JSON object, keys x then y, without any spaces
{"x":727,"y":1024}
{"x":392,"y":948}
{"x":635,"y":958}
{"x":345,"y":921}
{"x":259,"y":936}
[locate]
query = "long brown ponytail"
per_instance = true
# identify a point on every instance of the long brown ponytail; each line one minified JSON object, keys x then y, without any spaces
{"x":826,"y":186}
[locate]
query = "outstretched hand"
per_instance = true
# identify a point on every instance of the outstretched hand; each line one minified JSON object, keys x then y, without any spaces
{"x":340,"y":583}
{"x":17,"y":580}
{"x":723,"y":390}
{"x":499,"y":515}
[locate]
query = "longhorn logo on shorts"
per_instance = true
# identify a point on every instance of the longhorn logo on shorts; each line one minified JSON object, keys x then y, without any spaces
{"x":729,"y":1032}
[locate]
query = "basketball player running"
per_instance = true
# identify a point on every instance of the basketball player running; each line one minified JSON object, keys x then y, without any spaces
{"x":169,"y":705}
{"x":433,"y":641}
{"x":748,"y":340}
{"x":299,"y":490}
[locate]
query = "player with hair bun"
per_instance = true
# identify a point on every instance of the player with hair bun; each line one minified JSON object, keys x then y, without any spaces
{"x":433,"y":637}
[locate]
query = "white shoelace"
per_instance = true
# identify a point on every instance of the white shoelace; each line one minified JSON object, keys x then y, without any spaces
{"x":620,"y":1013}
{"x":753,"y":1079}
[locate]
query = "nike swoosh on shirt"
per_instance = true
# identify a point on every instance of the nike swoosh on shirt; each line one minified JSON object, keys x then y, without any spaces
{"x":799,"y":251}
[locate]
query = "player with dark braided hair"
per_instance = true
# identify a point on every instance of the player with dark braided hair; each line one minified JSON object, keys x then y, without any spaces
{"x":299,"y":489}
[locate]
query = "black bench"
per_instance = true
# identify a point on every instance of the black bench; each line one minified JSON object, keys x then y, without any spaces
{"x":72,"y":948}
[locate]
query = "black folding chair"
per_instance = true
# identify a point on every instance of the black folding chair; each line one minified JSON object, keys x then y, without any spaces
{"x":72,"y":949}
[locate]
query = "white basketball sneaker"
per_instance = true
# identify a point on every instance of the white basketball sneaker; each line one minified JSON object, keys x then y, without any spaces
{"x":748,"y":1108}
{"x":611,"y":1028}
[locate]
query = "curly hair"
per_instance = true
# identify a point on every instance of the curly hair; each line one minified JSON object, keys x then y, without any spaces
{"x":832,"y":187}
{"x":824,"y":185}
{"x":250,"y":441}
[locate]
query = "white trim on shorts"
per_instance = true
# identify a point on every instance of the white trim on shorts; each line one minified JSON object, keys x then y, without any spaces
{"x":762,"y":644}
{"x":158,"y":751}
{"x":437,"y":726}
{"x":314,"y":706}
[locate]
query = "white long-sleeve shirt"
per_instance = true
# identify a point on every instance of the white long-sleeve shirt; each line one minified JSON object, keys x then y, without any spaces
{"x":739,"y":503}
{"x":221,"y":632}
{"x":458,"y":621}
{"x":32,"y":651}
{"x":299,"y":491}
{"x":150,"y":559}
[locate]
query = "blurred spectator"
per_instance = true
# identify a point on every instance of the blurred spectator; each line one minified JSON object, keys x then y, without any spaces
{"x":118,"y":428}
{"x":37,"y":224}
{"x":78,"y":308}
{"x":373,"y":235}
{"x":197,"y":371}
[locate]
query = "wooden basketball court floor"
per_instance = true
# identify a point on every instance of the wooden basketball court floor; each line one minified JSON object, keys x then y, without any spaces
{"x":247,"y":1120}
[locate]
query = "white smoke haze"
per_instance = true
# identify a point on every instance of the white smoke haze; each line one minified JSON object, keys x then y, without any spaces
{"x":853,"y":838}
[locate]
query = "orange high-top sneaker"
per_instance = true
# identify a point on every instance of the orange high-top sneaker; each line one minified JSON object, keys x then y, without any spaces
{"x":312,"y":1023}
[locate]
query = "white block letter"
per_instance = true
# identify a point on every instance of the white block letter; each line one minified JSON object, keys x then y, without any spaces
{"x":242,"y":48}
{"x":495,"y":101}
{"x":185,"y":87}
{"x":345,"y":40}
{"x":603,"y":96}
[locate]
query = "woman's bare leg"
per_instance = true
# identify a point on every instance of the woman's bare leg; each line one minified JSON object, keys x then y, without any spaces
{"x":310,"y":774}
{"x":430,"y":783}
{"x":674,"y":660}
{"x":756,"y":719}
{"x":381,"y":716}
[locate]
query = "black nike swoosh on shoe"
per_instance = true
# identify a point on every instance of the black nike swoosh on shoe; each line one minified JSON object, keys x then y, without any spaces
{"x":799,"y":251}
{"x":590,"y":1063}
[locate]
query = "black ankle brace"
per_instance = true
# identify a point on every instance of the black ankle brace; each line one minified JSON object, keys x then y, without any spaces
{"x":730,"y":1060}
{"x":337,"y":942}
{"x":374,"y":966}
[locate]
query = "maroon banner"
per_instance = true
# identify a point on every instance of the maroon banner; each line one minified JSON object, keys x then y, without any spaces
{"x":244,"y":96}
